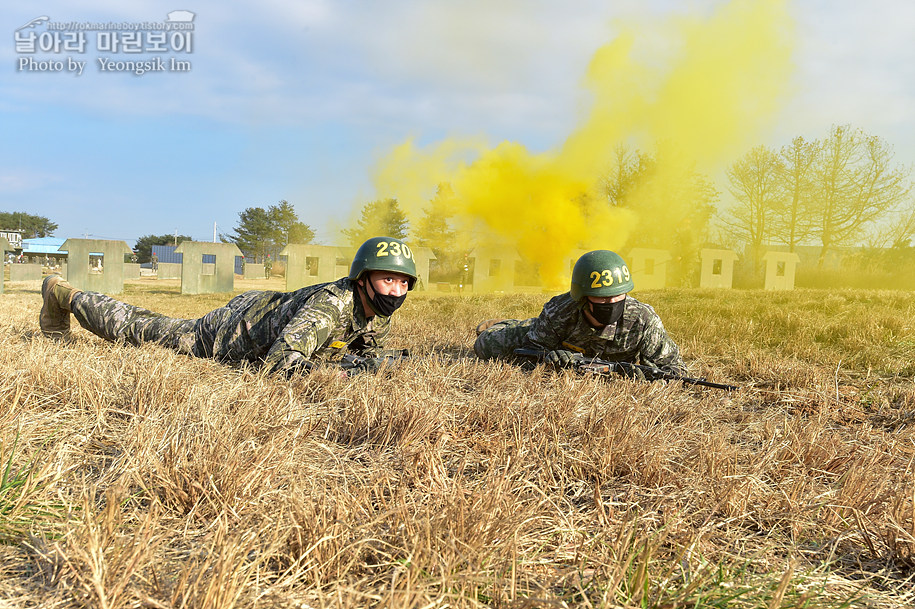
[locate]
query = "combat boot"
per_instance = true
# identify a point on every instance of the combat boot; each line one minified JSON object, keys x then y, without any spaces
{"x":486,"y":325}
{"x":54,"y":318}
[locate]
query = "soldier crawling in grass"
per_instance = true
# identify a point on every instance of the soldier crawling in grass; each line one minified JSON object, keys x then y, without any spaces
{"x":595,"y":318}
{"x":285,"y":330}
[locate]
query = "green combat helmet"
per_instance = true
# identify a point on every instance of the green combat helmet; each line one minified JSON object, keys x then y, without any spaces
{"x":600,"y":273}
{"x":384,"y":254}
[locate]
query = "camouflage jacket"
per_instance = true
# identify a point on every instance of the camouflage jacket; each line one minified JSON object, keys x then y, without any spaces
{"x":289,"y":329}
{"x":638,"y":337}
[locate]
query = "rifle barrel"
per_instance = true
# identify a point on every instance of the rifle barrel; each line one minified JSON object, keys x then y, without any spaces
{"x":599,"y":366}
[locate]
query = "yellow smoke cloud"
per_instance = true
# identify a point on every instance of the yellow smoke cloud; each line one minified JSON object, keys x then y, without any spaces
{"x":693,"y":101}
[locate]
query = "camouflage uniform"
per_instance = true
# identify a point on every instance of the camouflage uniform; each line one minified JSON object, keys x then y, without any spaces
{"x":638,"y":337}
{"x":287,"y":330}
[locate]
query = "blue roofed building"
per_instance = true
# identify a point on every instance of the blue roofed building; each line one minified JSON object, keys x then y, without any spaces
{"x":43,"y":249}
{"x":42,"y":246}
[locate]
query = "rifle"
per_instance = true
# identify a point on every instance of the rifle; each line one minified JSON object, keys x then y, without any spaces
{"x":389,"y":357}
{"x":593,"y":365}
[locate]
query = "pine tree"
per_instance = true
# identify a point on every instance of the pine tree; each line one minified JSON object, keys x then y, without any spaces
{"x":381,"y":218}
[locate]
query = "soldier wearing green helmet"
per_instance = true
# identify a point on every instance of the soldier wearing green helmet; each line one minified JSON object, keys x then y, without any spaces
{"x":595,"y":318}
{"x":285,"y":331}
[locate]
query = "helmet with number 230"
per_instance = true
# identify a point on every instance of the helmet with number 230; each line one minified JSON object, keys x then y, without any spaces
{"x":384,"y":254}
{"x":600,"y":273}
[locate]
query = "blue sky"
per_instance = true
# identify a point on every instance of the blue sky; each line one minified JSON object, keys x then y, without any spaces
{"x":298,"y":101}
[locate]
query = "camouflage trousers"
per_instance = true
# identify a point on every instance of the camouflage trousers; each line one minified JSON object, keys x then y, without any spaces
{"x":501,"y":339}
{"x":118,"y":321}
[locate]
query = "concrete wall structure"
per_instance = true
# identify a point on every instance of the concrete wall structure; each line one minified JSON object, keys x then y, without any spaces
{"x":423,"y":257}
{"x":648,"y":267}
{"x":168,"y":261}
{"x":494,"y":269}
{"x":717,"y":268}
{"x":780,"y":270}
{"x":168,"y":270}
{"x":25,"y":272}
{"x":308,"y":264}
{"x":4,"y":247}
{"x":198,"y":277}
{"x":111,"y":279}
{"x":131,"y":270}
{"x":254,"y":271}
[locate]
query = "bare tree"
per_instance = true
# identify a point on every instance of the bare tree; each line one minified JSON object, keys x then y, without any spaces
{"x":794,"y":222}
{"x":623,"y":174}
{"x":902,"y":228}
{"x":896,"y":230}
{"x":755,"y":182}
{"x":857,"y":185}
{"x":672,"y":203}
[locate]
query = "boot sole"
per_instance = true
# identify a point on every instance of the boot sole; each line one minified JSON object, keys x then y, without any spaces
{"x":46,"y":318}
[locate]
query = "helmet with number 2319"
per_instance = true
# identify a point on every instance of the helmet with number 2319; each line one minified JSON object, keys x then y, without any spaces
{"x":600,"y":273}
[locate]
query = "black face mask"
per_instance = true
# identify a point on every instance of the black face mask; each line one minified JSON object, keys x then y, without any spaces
{"x":607,"y":313}
{"x":382,"y":304}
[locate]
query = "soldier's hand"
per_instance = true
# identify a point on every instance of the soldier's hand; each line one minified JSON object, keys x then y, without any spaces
{"x":560,"y":358}
{"x":636,"y":374}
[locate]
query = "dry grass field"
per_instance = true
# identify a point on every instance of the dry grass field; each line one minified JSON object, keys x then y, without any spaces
{"x":136,"y":477}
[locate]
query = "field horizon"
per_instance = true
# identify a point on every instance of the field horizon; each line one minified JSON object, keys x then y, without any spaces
{"x":138,"y":477}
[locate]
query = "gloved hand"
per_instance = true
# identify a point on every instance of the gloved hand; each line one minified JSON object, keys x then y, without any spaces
{"x":560,"y":358}
{"x":366,"y":364}
{"x":636,"y":374}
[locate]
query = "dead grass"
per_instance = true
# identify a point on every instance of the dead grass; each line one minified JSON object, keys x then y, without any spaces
{"x":147,"y":479}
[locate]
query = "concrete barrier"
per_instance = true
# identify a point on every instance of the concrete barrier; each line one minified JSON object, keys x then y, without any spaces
{"x":25,"y":272}
{"x":111,"y":278}
{"x":169,"y":270}
{"x":717,"y":268}
{"x":4,"y":247}
{"x":254,"y":271}
{"x":198,"y":277}
{"x":131,"y":270}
